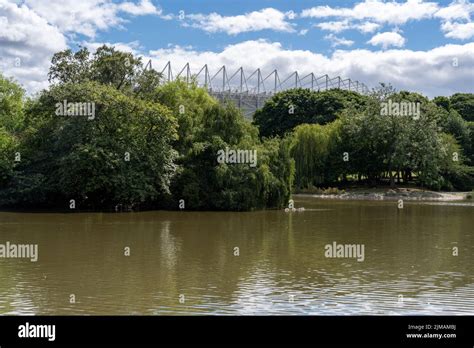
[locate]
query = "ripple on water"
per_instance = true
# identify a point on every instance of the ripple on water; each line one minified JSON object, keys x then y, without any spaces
{"x":281,"y":269}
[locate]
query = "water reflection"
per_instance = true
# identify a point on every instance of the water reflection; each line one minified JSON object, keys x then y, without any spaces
{"x":280,"y":269}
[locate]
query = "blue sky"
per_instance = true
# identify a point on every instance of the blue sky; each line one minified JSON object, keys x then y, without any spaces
{"x":412,"y":44}
{"x":154,"y":33}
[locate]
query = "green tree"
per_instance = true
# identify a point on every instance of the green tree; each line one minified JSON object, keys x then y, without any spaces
{"x":7,"y":147}
{"x":108,"y":66}
{"x":464,"y":104}
{"x":455,"y":174}
{"x":452,"y":123}
{"x":121,"y":156}
{"x":146,"y":146}
{"x":11,"y":105}
{"x":288,"y":109}
{"x":188,"y":104}
{"x":388,"y":146}
{"x":70,"y":67}
{"x":11,"y":124}
{"x":443,"y":102}
{"x":204,"y":183}
{"x":310,"y":149}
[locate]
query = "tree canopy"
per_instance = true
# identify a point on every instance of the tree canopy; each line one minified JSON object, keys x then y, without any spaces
{"x":286,"y":110}
{"x":431,"y":150}
{"x":106,"y":134}
{"x":464,"y":104}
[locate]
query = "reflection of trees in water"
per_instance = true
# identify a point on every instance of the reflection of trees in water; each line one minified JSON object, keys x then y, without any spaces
{"x":191,"y":253}
{"x":15,"y":294}
{"x":169,"y":247}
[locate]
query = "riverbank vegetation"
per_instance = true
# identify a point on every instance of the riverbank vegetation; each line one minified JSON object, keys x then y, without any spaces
{"x":106,"y":135}
{"x":433,"y":149}
{"x":147,"y":146}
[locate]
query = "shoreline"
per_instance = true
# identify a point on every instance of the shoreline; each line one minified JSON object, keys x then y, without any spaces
{"x":408,"y":194}
{"x":355,"y":194}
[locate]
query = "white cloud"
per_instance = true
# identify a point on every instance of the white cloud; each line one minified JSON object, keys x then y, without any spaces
{"x":31,"y":31}
{"x":368,"y":27}
{"x":268,"y":18}
{"x":290,"y":14}
{"x":133,"y":47}
{"x":338,"y":26}
{"x":25,"y":34}
{"x":431,"y":72}
{"x":335,"y":27}
{"x":83,"y":17}
{"x":303,"y":32}
{"x":86,"y":17}
{"x":27,"y":44}
{"x":378,"y":11}
{"x":338,"y":41}
{"x":460,"y":9}
{"x":457,"y":23}
{"x":387,"y":39}
{"x":456,"y":17}
{"x":461,"y":31}
{"x":145,"y":7}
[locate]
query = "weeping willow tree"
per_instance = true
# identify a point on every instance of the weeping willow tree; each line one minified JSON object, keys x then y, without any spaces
{"x":311,"y":147}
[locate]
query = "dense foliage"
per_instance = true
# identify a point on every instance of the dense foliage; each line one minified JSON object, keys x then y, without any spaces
{"x":464,"y":104}
{"x":203,"y":183}
{"x":123,"y":155}
{"x":431,"y":150}
{"x":286,"y":110}
{"x":11,"y":121}
{"x":106,"y":134}
{"x":136,"y":145}
{"x":312,"y":146}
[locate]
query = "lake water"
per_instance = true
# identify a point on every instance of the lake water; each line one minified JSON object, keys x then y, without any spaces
{"x":187,"y":262}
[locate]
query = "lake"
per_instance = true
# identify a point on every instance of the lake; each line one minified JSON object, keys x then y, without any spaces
{"x":417,"y":260}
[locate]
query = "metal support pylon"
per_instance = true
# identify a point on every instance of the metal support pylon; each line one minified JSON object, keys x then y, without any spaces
{"x":250,"y":90}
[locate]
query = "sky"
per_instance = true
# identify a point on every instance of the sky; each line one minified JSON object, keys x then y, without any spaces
{"x":416,"y":45}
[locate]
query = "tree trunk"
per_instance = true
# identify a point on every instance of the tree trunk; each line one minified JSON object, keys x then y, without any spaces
{"x":392,"y":178}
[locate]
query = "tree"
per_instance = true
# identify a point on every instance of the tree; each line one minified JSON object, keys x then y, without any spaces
{"x":286,"y":110}
{"x":389,"y":146}
{"x":7,"y":155}
{"x":454,"y":172}
{"x":11,"y":105}
{"x":443,"y":102}
{"x":121,"y":70}
{"x":188,"y":104}
{"x":310,"y":149}
{"x":70,"y":67}
{"x":121,"y":156}
{"x":11,"y":123}
{"x":464,"y":104}
{"x":204,"y":183}
{"x":142,"y":146}
{"x":452,"y":123}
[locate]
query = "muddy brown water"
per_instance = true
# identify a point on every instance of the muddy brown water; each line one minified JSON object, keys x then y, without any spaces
{"x":266,"y":262}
